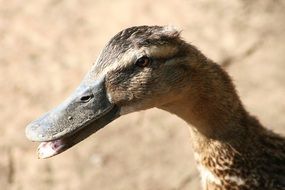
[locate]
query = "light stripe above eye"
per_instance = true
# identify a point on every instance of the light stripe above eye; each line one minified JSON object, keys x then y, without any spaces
{"x":161,"y":51}
{"x":131,"y":55}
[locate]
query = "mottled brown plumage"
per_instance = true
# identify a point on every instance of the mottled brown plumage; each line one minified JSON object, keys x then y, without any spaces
{"x":233,"y":150}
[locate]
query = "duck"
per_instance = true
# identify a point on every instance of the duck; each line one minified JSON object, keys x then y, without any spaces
{"x":143,"y":67}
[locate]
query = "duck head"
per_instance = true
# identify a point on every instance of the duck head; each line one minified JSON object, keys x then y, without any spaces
{"x":139,"y":68}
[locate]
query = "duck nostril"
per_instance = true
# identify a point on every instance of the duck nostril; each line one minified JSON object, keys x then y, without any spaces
{"x":86,"y":98}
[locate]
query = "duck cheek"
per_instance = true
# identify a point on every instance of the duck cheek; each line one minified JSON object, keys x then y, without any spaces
{"x":120,"y":97}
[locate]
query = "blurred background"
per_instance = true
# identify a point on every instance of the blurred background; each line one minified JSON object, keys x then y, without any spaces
{"x":47,"y":46}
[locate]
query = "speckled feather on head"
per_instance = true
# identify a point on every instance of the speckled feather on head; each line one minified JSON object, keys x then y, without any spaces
{"x":233,"y":150}
{"x":134,"y":38}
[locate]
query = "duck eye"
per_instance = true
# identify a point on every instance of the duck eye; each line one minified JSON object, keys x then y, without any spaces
{"x":143,"y":61}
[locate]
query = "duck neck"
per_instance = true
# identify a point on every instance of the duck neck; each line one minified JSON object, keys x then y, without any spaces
{"x":220,"y":126}
{"x":212,"y":107}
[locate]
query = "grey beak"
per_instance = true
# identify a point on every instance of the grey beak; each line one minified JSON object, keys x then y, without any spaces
{"x":86,"y":111}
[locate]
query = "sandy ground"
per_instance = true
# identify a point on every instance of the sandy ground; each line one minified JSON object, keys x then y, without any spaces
{"x":47,"y":46}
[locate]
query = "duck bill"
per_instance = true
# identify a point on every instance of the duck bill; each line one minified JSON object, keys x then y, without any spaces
{"x":86,"y":111}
